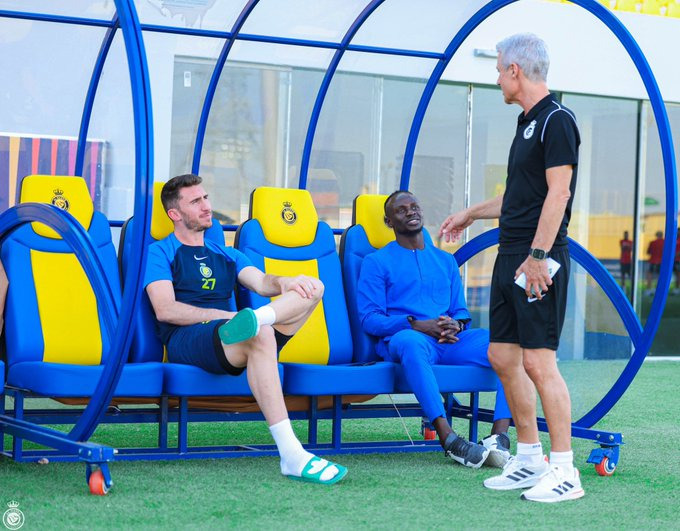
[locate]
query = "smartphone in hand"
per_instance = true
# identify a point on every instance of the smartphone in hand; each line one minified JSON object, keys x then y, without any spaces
{"x":521,"y":280}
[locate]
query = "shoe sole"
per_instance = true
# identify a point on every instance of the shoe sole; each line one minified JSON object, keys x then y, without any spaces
{"x":468,"y":464}
{"x":241,"y":327}
{"x":496,"y":459}
{"x":525,"y":484}
{"x":566,"y":497}
{"x":521,"y":484}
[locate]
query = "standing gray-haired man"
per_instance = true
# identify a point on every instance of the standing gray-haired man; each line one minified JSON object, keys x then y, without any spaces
{"x":525,"y":324}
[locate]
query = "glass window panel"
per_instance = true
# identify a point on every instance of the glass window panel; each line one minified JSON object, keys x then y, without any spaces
{"x":493,"y":128}
{"x":400,"y":100}
{"x":426,"y":25}
{"x":216,"y":15}
{"x":322,"y":20}
{"x":256,"y":128}
{"x":345,"y":155}
{"x":604,"y":203}
{"x":438,"y":171}
{"x":95,"y":9}
{"x":653,"y":219}
{"x":387,"y":65}
{"x":186,"y":64}
{"x":42,"y":102}
{"x":113,"y":123}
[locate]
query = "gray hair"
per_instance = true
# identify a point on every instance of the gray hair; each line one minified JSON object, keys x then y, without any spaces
{"x":527,"y":51}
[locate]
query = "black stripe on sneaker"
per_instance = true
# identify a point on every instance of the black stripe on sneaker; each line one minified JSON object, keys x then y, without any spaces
{"x":526,"y":471}
{"x":568,"y":484}
{"x":518,"y":473}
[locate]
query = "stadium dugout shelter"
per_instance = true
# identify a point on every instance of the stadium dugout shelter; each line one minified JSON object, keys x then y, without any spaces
{"x":78,"y":325}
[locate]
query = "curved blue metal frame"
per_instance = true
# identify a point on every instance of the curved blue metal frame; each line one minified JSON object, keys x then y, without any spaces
{"x":91,"y":93}
{"x":143,"y":125}
{"x":214,"y":80}
{"x":643,"y":341}
{"x":325,"y":84}
{"x":141,"y":97}
{"x":79,"y":240}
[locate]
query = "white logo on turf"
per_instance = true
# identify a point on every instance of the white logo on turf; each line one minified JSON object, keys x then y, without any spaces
{"x":13,"y":517}
{"x":529,"y":131}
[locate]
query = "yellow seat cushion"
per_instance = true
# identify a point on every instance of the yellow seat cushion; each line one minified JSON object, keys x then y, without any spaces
{"x":369,"y":212}
{"x":287,"y":215}
{"x":68,"y":193}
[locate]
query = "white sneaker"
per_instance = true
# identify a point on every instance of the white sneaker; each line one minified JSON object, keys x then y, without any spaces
{"x":499,"y":449}
{"x":517,"y":475}
{"x":556,"y":486}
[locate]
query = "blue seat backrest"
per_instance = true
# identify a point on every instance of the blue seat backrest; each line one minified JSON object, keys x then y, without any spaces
{"x":51,"y":312}
{"x":145,"y":344}
{"x":367,"y":234}
{"x":284,"y":237}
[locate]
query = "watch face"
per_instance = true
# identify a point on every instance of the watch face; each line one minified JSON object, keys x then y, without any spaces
{"x":538,"y":254}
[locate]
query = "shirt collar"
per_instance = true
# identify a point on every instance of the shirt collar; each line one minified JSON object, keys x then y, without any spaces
{"x":545,"y":102}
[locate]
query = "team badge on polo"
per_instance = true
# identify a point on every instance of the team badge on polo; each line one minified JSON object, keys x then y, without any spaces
{"x":59,"y":200}
{"x":529,"y":131}
{"x":205,"y":270}
{"x":288,"y":215}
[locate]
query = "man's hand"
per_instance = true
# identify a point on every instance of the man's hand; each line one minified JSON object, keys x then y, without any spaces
{"x":537,"y":275}
{"x":449,"y":329}
{"x":305,"y":286}
{"x":452,"y":228}
{"x":443,"y":329}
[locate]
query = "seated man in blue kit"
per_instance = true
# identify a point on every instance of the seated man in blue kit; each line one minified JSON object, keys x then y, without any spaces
{"x":410,"y":296}
{"x":189,"y":280}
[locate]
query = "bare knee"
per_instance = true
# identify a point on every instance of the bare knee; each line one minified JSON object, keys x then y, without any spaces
{"x":538,"y":368}
{"x":503,"y":359}
{"x":263,"y":344}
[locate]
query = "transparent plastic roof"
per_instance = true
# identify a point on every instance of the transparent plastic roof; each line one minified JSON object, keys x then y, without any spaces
{"x":425,"y":25}
{"x":92,"y":9}
{"x":214,"y":15}
{"x":321,"y":20}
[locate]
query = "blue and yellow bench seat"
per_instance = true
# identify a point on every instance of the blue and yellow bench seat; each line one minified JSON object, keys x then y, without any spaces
{"x":178,"y":379}
{"x":54,"y":339}
{"x":283,"y":236}
{"x":367,"y":234}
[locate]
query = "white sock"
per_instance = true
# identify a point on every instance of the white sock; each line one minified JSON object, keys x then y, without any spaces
{"x":530,"y":453}
{"x":293,"y":456}
{"x":565,"y":460}
{"x":265,"y":315}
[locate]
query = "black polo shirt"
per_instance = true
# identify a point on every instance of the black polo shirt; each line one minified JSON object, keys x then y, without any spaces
{"x":546,"y":137}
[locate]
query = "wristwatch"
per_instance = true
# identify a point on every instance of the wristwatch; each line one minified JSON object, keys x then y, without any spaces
{"x":538,"y":254}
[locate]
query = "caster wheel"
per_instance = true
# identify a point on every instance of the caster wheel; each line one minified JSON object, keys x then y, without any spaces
{"x":429,"y":435}
{"x":97,"y":484}
{"x":605,"y":468}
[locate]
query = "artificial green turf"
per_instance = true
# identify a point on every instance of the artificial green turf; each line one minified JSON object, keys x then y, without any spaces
{"x":394,"y":491}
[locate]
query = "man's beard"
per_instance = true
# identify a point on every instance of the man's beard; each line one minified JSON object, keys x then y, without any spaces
{"x":410,"y":232}
{"x":196,"y":226}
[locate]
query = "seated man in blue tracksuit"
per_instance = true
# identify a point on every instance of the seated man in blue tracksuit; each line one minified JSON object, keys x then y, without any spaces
{"x":411,"y":297}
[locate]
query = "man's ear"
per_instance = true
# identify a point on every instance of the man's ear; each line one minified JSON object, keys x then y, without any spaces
{"x":174,"y":215}
{"x":388,"y":222}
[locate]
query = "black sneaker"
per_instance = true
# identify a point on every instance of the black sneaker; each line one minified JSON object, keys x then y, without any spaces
{"x":465,"y":452}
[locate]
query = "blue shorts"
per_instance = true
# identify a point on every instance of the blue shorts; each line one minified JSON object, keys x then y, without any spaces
{"x":199,"y":344}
